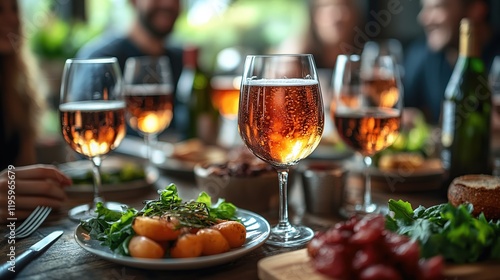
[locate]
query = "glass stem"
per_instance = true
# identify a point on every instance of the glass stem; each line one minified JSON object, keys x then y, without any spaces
{"x":367,"y":198}
{"x":283,"y":223}
{"x":96,"y":170}
{"x":149,"y":139}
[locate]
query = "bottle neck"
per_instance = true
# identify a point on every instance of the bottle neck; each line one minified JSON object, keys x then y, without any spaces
{"x":468,"y":46}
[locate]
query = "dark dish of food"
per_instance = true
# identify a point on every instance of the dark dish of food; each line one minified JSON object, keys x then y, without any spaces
{"x":242,"y":178}
{"x":128,"y":173}
{"x":240,"y":163}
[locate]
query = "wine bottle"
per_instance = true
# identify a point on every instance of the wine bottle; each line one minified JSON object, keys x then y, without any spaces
{"x":193,"y":90}
{"x":466,"y":115}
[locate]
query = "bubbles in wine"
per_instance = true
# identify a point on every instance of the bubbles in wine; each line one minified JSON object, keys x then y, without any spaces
{"x":93,"y":128}
{"x":281,"y":120}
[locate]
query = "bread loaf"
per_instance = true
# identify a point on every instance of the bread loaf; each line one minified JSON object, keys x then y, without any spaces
{"x":482,"y":191}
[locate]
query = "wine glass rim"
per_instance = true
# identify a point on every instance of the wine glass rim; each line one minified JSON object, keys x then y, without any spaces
{"x":357,"y":57}
{"x":281,"y":54}
{"x":149,"y":57}
{"x":353,"y":57}
{"x":92,"y":60}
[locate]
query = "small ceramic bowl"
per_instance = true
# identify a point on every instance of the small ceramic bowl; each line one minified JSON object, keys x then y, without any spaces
{"x":257,"y":192}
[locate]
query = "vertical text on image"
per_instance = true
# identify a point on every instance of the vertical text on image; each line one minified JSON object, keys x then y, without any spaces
{"x":11,"y":193}
{"x":11,"y":218}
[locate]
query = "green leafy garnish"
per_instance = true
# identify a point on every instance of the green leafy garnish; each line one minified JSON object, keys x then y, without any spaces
{"x":452,"y":232}
{"x":115,"y":230}
{"x":111,"y":227}
{"x":221,"y":210}
{"x":199,"y":213}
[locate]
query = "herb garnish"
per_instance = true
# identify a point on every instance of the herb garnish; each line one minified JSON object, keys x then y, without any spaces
{"x":114,"y":228}
{"x":452,"y":232}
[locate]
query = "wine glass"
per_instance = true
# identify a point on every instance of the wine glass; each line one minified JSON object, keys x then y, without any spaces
{"x":280,"y":119}
{"x":149,"y":98}
{"x":366,"y":111}
{"x":391,"y":47}
{"x":225,"y":94}
{"x":92,"y":117}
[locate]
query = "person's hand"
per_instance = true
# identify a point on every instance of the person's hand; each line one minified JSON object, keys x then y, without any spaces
{"x":29,"y":187}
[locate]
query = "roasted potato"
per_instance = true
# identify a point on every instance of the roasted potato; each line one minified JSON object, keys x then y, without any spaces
{"x":143,"y":247}
{"x":234,"y":232}
{"x":187,"y":246}
{"x":157,"y":228}
{"x":213,"y":242}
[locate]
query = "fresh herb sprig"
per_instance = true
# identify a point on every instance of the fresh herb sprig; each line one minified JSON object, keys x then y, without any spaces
{"x":197,"y":213}
{"x":115,"y":230}
{"x":452,"y":232}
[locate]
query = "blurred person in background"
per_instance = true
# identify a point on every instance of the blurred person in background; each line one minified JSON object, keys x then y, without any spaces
{"x":153,"y":22}
{"x":21,"y":105}
{"x":331,"y":31}
{"x":429,"y":63}
{"x":334,"y":28}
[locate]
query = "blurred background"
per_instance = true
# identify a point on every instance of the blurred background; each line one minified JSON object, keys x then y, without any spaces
{"x":57,"y":29}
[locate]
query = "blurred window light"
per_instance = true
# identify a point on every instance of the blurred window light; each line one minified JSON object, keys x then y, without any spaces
{"x":200,"y":12}
{"x":228,"y":59}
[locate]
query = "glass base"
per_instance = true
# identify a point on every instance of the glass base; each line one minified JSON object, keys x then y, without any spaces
{"x":83,"y":212}
{"x":290,"y":237}
{"x":360,"y":210}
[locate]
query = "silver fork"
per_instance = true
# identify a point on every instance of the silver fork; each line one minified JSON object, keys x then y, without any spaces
{"x":34,"y":220}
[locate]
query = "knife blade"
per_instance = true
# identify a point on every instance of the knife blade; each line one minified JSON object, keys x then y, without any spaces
{"x":11,"y":268}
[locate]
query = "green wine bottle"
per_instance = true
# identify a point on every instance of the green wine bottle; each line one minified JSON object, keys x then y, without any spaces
{"x":466,"y":115}
{"x":194,"y":91}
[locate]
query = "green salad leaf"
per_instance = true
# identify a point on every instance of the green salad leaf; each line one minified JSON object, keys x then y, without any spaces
{"x":114,"y":228}
{"x":111,"y":227}
{"x":452,"y":232}
{"x":221,"y":210}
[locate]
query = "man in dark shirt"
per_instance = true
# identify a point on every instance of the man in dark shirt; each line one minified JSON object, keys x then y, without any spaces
{"x":153,"y":21}
{"x":429,"y":63}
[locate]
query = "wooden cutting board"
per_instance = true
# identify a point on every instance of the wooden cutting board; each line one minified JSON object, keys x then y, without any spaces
{"x":296,"y":266}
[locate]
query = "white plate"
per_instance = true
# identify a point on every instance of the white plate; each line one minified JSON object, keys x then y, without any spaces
{"x":258,"y":230}
{"x":76,"y":168}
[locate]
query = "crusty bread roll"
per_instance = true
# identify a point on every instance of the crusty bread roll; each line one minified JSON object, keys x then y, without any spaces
{"x":482,"y":191}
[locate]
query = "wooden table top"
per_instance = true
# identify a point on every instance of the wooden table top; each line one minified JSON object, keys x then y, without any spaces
{"x":65,"y":259}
